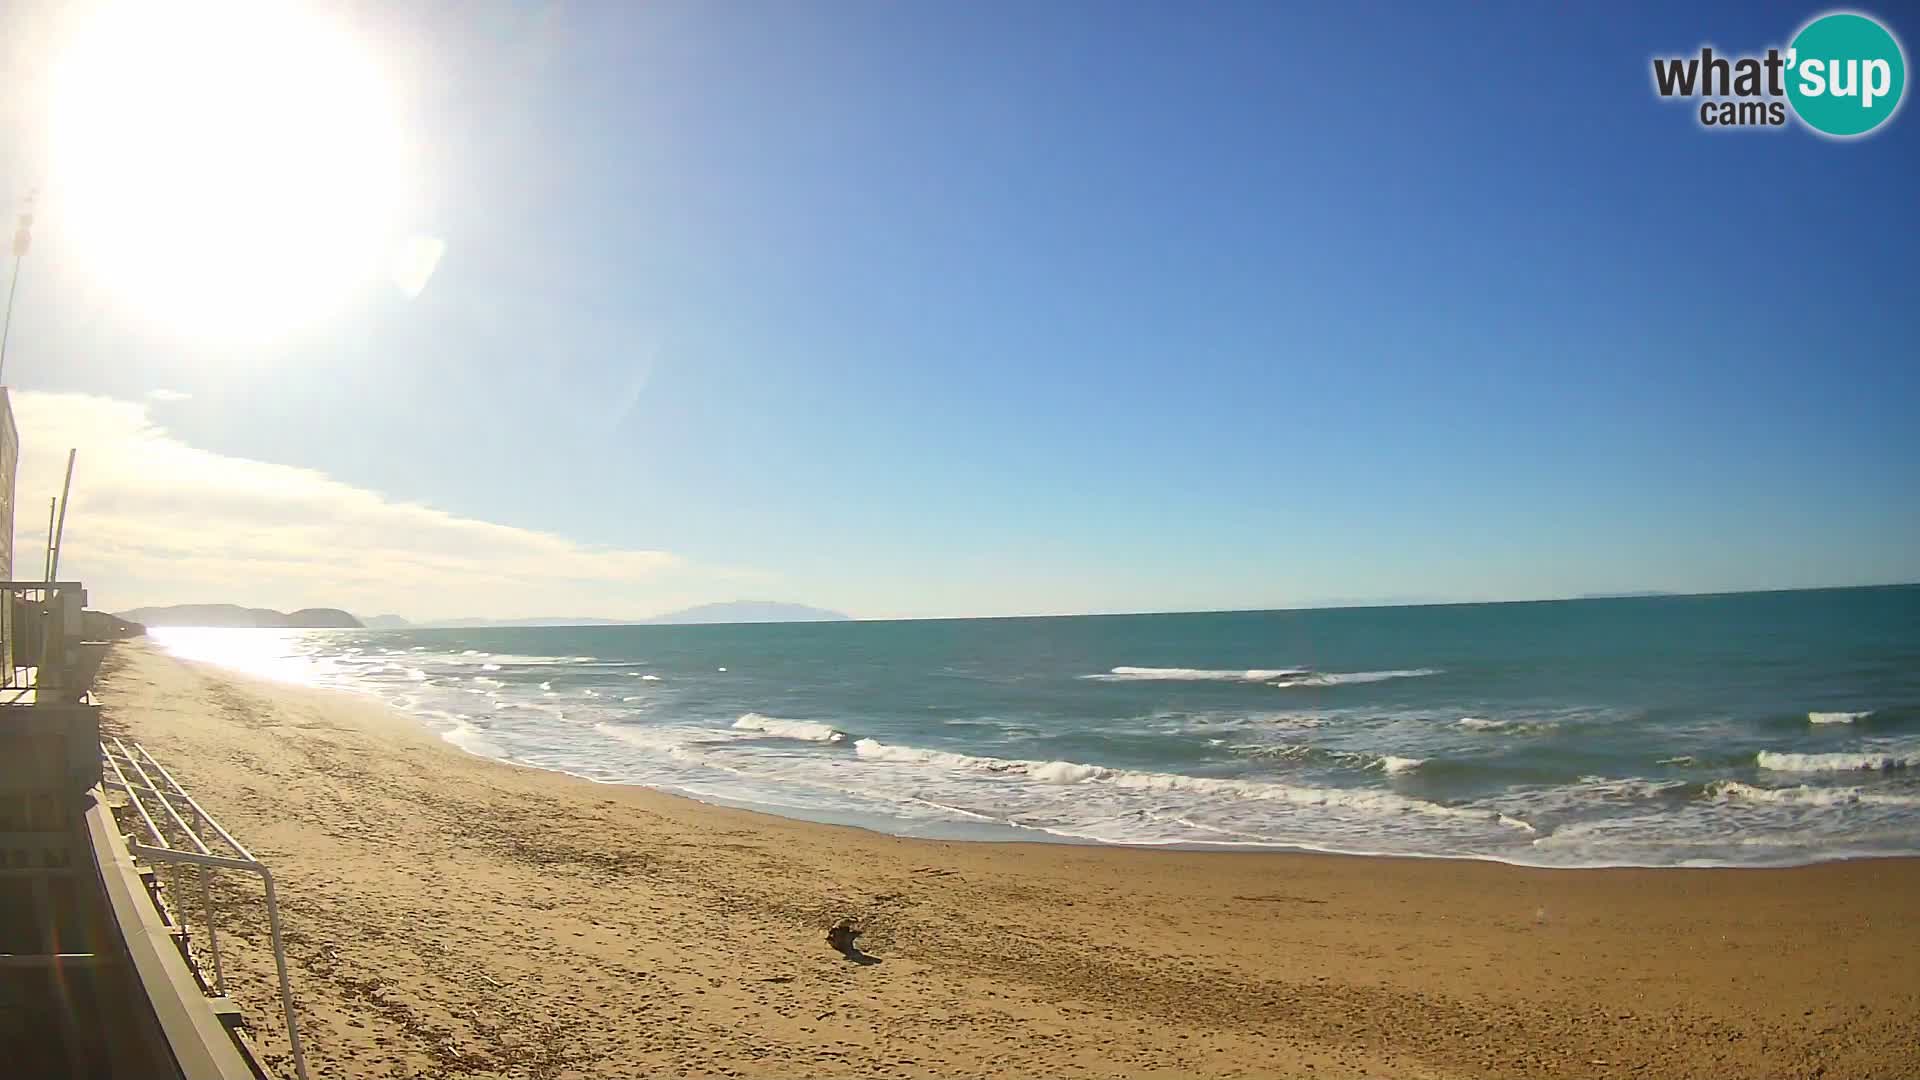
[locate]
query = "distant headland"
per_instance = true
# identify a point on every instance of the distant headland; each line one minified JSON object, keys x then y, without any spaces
{"x":736,"y":611}
{"x":234,"y":615}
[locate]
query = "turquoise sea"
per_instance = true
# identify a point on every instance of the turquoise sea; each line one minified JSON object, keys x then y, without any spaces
{"x":1747,"y":729}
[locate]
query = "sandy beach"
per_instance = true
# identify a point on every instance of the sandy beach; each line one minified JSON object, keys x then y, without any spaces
{"x":450,"y":916}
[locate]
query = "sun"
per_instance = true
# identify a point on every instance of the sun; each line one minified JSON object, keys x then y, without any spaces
{"x":235,"y":169}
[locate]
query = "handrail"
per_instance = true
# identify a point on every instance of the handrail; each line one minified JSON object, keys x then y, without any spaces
{"x":204,"y":858}
{"x":206,"y":888}
{"x":197,"y":1037}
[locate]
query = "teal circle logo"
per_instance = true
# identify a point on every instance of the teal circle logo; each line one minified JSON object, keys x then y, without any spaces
{"x":1845,"y":74}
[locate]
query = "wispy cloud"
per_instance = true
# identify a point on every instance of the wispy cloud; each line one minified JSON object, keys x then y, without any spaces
{"x":163,"y":394}
{"x":155,"y":520}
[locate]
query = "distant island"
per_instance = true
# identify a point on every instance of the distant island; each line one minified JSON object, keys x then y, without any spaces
{"x":751,"y":611}
{"x":395,"y":622}
{"x":234,"y":615}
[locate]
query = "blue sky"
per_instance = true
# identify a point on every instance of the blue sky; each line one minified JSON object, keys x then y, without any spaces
{"x":955,"y":309}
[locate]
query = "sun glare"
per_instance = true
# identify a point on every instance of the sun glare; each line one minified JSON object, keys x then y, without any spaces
{"x":234,"y":169}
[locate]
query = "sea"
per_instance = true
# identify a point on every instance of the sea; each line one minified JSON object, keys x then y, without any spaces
{"x":1752,"y":729}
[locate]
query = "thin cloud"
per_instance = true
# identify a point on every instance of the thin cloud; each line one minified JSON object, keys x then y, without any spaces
{"x":156,"y":520}
{"x":163,"y":394}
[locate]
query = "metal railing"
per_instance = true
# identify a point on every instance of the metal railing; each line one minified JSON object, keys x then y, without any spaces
{"x":157,"y":785}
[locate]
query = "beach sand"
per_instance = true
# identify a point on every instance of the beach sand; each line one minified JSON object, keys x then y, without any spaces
{"x":449,"y":916}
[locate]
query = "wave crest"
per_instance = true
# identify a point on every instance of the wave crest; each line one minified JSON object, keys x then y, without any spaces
{"x":804,"y":730}
{"x":1862,"y":761}
{"x":1068,"y":772}
{"x":1282,"y":677}
{"x":1806,"y":795}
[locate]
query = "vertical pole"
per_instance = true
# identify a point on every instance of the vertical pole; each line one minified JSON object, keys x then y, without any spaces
{"x":6,"y":328}
{"x":286,"y":988}
{"x":46,"y":564}
{"x":60,"y":533}
{"x":22,"y":239}
{"x":213,"y":934}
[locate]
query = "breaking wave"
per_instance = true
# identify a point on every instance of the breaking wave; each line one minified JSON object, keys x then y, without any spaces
{"x":1837,"y":717}
{"x":1271,"y":676}
{"x":1068,"y":772}
{"x":1807,"y":795}
{"x":1862,"y":761}
{"x":805,"y":730}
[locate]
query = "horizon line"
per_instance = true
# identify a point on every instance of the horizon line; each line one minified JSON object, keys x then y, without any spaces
{"x":428,"y":624}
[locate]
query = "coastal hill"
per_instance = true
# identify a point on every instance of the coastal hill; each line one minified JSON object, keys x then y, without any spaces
{"x":234,"y":615}
{"x":736,"y":611}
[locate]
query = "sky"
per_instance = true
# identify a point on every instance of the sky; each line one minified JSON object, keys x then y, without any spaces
{"x":953,"y":309}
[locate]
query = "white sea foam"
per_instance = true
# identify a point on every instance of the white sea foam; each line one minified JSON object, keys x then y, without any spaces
{"x":807,"y":730}
{"x":1392,"y":765}
{"x":675,"y":743}
{"x":650,"y":678}
{"x":1510,"y":727}
{"x":1284,"y":723}
{"x":494,"y":661}
{"x":1065,"y":772}
{"x":1837,"y":717}
{"x":469,"y":738}
{"x":484,"y":681}
{"x":1805,"y":794}
{"x":1342,"y":678}
{"x":1154,"y":674}
{"x":1275,"y":676}
{"x":1282,"y":751}
{"x":546,"y":686}
{"x":1630,"y":789}
{"x":1862,"y":761}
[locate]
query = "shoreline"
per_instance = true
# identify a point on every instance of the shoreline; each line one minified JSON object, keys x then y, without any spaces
{"x":1010,"y":833}
{"x":433,"y":897}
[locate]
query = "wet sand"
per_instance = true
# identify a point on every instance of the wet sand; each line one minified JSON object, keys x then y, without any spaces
{"x":450,"y":916}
